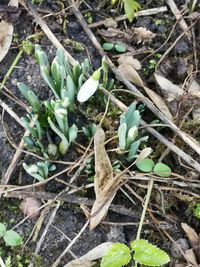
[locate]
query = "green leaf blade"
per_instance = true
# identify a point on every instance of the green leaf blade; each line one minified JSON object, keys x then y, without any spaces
{"x":12,"y":238}
{"x":162,"y":170}
{"x":148,"y":254}
{"x":117,"y":256}
{"x":130,"y":7}
{"x":145,"y":165}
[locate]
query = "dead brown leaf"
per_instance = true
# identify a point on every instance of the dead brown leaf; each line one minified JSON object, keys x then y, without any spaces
{"x":193,"y":238}
{"x":103,"y":174}
{"x":88,"y":259}
{"x":6,"y":32}
{"x":169,"y":90}
{"x":127,"y":69}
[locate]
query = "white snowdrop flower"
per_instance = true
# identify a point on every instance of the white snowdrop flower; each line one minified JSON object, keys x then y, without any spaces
{"x":89,"y":87}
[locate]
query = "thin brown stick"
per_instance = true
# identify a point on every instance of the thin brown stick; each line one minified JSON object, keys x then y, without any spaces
{"x":16,"y":157}
{"x":184,"y":136}
{"x":70,"y":199}
{"x":57,"y":262}
{"x":11,"y":113}
{"x":42,"y":238}
{"x":179,"y":17}
{"x":147,"y":12}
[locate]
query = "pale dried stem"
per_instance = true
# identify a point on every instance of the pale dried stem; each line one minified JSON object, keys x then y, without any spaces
{"x":147,"y":12}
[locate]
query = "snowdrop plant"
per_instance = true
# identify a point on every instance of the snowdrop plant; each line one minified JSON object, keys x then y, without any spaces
{"x":61,"y":127}
{"x":33,"y":142}
{"x":40,"y":170}
{"x":63,"y":79}
{"x":128,"y":132}
{"x":30,"y":96}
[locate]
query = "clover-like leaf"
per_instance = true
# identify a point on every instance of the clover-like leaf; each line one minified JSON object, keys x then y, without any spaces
{"x":12,"y":238}
{"x":162,"y":170}
{"x":108,"y":46}
{"x":120,"y":48}
{"x":117,"y":256}
{"x":145,"y":165}
{"x":148,"y":254}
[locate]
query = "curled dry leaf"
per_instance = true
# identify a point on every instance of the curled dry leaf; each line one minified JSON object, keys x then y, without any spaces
{"x":126,"y":68}
{"x":30,"y":207}
{"x":103,"y":174}
{"x":6,"y":32}
{"x":88,"y":259}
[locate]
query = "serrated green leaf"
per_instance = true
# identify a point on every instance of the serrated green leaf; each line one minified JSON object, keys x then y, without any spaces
{"x":145,"y":165}
{"x":148,"y":254}
{"x":130,"y":7}
{"x":2,"y":229}
{"x":117,"y":256}
{"x":12,"y":238}
{"x":162,"y":170}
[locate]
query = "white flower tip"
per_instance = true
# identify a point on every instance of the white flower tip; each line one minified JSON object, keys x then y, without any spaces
{"x":87,"y":89}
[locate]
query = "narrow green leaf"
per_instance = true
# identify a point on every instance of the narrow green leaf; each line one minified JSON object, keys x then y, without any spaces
{"x":34,"y":101}
{"x":49,"y":82}
{"x":162,"y":170}
{"x":122,"y":135}
{"x":148,"y":254}
{"x":117,"y":256}
{"x":72,"y":134}
{"x":145,"y":165}
{"x":133,"y":150}
{"x":129,"y":115}
{"x":23,"y":89}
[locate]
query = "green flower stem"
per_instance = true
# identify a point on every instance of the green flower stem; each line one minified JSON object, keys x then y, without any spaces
{"x":11,"y":68}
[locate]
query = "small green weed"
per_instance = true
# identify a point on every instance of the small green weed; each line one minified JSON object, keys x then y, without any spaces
{"x":141,"y":251}
{"x":10,"y":237}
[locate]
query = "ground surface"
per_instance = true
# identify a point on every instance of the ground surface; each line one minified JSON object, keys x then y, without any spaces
{"x":170,"y":208}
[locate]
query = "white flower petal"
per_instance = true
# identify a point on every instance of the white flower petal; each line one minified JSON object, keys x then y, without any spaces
{"x":87,"y":89}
